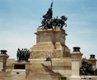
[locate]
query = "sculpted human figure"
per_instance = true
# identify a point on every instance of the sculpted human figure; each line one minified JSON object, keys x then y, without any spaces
{"x":23,"y":55}
{"x":86,"y":69}
{"x":62,"y":21}
{"x":18,"y":55}
{"x":47,"y":19}
{"x":48,"y":22}
{"x":27,"y":55}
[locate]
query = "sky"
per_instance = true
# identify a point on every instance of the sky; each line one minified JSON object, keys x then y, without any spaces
{"x":19,"y":20}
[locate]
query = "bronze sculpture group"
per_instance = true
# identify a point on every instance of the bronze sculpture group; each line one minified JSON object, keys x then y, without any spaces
{"x":87,"y":69}
{"x":23,"y":55}
{"x":49,"y":22}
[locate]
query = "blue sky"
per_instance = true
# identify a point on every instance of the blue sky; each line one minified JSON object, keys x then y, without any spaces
{"x":19,"y":19}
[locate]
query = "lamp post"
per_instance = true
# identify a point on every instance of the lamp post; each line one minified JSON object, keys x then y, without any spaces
{"x":49,"y":59}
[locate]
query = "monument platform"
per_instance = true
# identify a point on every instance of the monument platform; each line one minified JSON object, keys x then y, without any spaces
{"x":41,"y":69}
{"x":50,"y":42}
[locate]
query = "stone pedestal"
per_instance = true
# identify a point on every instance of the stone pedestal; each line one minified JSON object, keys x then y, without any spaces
{"x":92,"y":61}
{"x":3,"y":59}
{"x":19,"y":70}
{"x":47,"y":69}
{"x":1,"y":65}
{"x":50,"y":42}
{"x":76,"y":57}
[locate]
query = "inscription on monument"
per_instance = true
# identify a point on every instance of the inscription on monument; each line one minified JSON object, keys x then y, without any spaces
{"x":19,"y":66}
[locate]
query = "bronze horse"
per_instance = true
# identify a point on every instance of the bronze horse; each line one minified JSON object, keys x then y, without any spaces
{"x":60,"y":22}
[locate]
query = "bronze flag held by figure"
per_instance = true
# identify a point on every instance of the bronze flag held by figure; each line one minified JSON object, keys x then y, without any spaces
{"x":49,"y":13}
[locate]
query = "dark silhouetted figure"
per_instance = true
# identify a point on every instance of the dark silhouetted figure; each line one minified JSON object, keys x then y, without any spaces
{"x":23,"y":55}
{"x":86,"y":69}
{"x":49,"y":23}
{"x":59,"y":22}
{"x":47,"y":18}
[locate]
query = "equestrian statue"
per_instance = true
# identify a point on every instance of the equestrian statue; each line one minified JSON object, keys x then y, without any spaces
{"x":48,"y":22}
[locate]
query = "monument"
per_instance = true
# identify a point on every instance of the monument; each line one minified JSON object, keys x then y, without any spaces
{"x":49,"y":58}
{"x":49,"y":54}
{"x":50,"y":38}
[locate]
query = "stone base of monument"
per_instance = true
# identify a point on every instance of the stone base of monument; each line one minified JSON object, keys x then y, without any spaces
{"x":54,"y":69}
{"x":3,"y":59}
{"x":50,"y":42}
{"x":84,"y":77}
{"x":1,"y":66}
{"x":19,"y":70}
{"x":75,"y":78}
